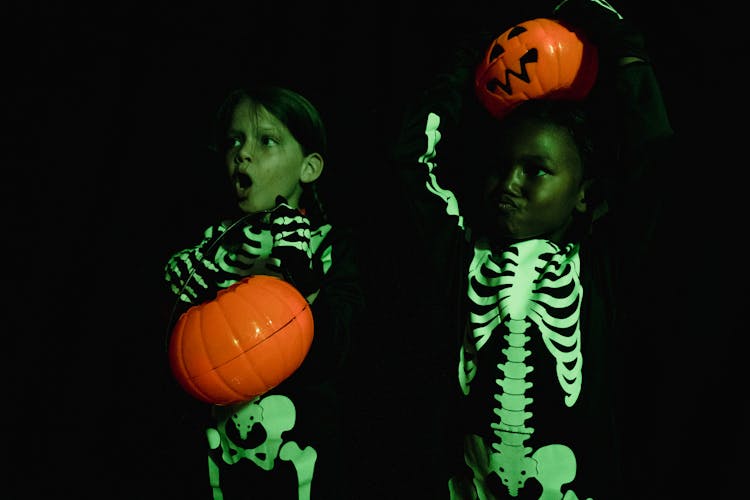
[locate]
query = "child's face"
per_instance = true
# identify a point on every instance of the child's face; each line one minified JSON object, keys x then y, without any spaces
{"x":263,"y":159}
{"x":537,"y":184}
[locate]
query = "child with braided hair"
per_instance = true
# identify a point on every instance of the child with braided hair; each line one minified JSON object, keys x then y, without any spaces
{"x":273,"y":143}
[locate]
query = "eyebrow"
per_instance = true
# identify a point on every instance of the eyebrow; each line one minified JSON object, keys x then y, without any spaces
{"x":263,"y":130}
{"x":535,"y":158}
{"x":270,"y":129}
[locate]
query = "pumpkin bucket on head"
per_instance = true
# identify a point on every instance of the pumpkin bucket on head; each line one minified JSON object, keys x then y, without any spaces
{"x":243,"y":343}
{"x":538,"y":58}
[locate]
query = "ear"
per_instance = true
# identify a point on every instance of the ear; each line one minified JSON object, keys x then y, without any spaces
{"x":581,"y":205}
{"x":312,"y":167}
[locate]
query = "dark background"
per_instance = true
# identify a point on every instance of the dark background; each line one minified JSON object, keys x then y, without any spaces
{"x":107,"y":173}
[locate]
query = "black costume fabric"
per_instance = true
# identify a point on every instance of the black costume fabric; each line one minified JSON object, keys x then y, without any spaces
{"x":286,"y":443}
{"x":541,"y":391}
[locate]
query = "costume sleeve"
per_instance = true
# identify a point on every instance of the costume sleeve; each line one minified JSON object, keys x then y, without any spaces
{"x":431,"y":218}
{"x":647,"y":150}
{"x":228,"y":252}
{"x":335,"y":308}
{"x":426,"y":164}
{"x":191,"y":273}
{"x":645,"y":122}
{"x":290,"y":229}
{"x":628,"y":105}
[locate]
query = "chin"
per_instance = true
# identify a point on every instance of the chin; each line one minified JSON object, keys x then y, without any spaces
{"x":246,"y":207}
{"x":500,"y":230}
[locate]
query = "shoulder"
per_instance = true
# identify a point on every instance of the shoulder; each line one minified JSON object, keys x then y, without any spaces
{"x":331,"y":238}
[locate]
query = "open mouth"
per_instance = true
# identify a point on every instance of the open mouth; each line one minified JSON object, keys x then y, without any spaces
{"x":243,"y":181}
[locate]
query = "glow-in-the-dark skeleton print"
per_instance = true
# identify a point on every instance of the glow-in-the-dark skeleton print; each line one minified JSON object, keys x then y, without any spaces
{"x":196,"y":273}
{"x":229,"y":253}
{"x":531,"y":289}
{"x":530,"y":282}
{"x":524,"y":306}
{"x":259,"y":423}
{"x":226,"y":254}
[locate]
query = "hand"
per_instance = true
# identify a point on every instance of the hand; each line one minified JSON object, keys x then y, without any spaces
{"x":289,"y":226}
{"x":615,"y":37}
{"x":291,"y":246}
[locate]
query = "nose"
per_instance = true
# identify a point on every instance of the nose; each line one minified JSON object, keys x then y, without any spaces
{"x":513,"y":180}
{"x":243,"y":158}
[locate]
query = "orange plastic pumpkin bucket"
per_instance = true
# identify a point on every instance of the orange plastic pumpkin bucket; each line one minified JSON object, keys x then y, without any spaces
{"x":243,"y":343}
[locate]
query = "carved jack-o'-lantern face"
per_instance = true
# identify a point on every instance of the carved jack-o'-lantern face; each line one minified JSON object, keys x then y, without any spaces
{"x":538,"y":58}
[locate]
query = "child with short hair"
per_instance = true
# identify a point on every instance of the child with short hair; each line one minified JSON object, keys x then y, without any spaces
{"x":534,"y":260}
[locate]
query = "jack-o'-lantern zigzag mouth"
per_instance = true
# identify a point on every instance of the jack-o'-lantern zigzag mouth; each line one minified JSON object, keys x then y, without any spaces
{"x":531,"y":56}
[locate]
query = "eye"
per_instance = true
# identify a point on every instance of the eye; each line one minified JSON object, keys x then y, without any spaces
{"x":232,"y":142}
{"x":535,"y":170}
{"x":268,"y":140}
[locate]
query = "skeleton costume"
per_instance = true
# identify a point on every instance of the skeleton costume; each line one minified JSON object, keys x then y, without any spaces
{"x":286,"y":443}
{"x":534,"y":350}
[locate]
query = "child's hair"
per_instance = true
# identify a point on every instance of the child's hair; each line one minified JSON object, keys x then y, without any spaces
{"x":292,"y":109}
{"x":570,"y":115}
{"x":590,"y":140}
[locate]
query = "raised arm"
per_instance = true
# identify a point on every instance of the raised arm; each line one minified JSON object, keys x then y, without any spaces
{"x":627,"y":77}
{"x":423,"y":153}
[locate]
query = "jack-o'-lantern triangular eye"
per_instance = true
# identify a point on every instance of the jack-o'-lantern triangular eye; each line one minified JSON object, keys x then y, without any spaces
{"x":515,"y":31}
{"x":497,"y":51}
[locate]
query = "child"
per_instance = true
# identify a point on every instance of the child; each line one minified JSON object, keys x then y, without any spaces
{"x":547,"y":252}
{"x":285,"y":443}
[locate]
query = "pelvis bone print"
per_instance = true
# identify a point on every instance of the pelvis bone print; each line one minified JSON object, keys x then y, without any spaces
{"x":266,"y":418}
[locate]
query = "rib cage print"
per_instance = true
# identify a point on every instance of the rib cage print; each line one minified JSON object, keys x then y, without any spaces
{"x":532,"y":283}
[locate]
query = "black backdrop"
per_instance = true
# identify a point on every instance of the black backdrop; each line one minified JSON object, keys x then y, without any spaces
{"x":106,"y":173}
